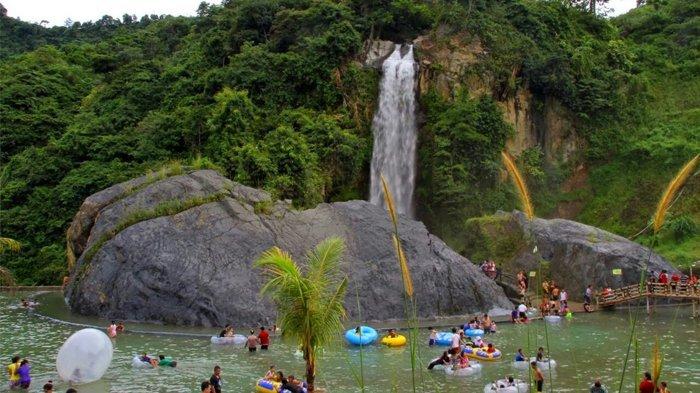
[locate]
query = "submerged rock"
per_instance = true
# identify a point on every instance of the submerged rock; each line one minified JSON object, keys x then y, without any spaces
{"x":195,"y":267}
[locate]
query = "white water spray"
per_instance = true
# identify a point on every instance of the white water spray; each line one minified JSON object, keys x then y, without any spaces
{"x":394,"y":128}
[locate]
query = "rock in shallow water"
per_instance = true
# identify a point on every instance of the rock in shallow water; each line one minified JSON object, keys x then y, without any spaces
{"x":195,"y":267}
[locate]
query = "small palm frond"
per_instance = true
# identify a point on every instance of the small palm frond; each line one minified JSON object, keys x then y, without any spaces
{"x":9,"y":244}
{"x":324,"y":260}
{"x":519,"y":182}
{"x":6,"y":277}
{"x":671,"y":190}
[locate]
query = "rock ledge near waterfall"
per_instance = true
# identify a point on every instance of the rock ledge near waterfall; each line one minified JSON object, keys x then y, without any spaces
{"x":195,"y":267}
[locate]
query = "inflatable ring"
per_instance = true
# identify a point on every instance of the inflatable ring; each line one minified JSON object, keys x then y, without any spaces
{"x":398,"y":341}
{"x":136,"y":362}
{"x":236,"y":339}
{"x":552,"y":318}
{"x":503,"y":386}
{"x":481,"y":354}
{"x":473,"y":332}
{"x":444,"y":338}
{"x":366,"y":336}
{"x":545,"y":364}
{"x":265,"y":386}
{"x":473,"y":368}
{"x":521,"y":365}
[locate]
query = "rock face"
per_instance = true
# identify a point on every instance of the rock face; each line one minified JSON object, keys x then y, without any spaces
{"x":578,"y":254}
{"x":194,"y":267}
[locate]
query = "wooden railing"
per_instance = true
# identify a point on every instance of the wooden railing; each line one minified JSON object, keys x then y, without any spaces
{"x":632,"y":292}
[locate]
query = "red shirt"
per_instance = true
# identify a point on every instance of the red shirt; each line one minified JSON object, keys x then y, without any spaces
{"x":675,"y":277}
{"x":663,"y":278}
{"x":264,"y":337}
{"x":646,"y":386}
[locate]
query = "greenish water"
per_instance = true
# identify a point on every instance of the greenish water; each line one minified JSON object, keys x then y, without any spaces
{"x":588,"y":347}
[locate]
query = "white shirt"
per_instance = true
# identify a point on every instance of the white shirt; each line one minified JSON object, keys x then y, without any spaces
{"x":522,"y":308}
{"x":563,"y":295}
{"x":589,"y":291}
{"x":455,"y":340}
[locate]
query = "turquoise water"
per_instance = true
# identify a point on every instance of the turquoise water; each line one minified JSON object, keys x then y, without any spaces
{"x":588,"y":347}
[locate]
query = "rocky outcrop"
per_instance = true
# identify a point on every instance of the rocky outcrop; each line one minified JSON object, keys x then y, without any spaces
{"x":574,"y":254}
{"x":194,"y":267}
{"x":457,"y":61}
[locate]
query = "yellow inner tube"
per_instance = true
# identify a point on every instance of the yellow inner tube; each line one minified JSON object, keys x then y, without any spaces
{"x":264,"y":386}
{"x":397,"y":341}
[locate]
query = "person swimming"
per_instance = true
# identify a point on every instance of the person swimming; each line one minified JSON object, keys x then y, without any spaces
{"x":519,"y":356}
{"x":166,"y":361}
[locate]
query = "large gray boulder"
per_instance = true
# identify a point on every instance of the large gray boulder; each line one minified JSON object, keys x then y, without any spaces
{"x":578,"y":255}
{"x":195,"y":267}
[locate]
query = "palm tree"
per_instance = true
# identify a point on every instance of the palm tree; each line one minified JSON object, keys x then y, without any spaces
{"x":310,"y":300}
{"x":6,"y":243}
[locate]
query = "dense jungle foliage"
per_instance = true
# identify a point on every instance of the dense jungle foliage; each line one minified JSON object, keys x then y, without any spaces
{"x":271,"y":93}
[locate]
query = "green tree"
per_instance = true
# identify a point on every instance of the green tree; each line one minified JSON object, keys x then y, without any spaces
{"x":309,"y":300}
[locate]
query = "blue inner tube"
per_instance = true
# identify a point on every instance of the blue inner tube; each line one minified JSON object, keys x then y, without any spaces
{"x":367,"y":336}
{"x":473,"y":332}
{"x":444,"y":338}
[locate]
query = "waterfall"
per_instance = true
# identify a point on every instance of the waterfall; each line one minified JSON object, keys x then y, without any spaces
{"x":394,"y":128}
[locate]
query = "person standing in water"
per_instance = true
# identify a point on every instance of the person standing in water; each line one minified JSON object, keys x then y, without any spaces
{"x":112,"y":330}
{"x":120,"y":327}
{"x":215,"y":379}
{"x":12,"y":370}
{"x":433,"y":336}
{"x":538,"y":376}
{"x":24,"y":378}
{"x":252,"y":342}
{"x":264,"y":338}
{"x":647,"y":386}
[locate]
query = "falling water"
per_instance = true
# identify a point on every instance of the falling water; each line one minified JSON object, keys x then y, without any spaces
{"x":394,"y":128}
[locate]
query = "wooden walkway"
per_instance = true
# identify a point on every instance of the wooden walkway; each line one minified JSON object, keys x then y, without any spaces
{"x":650,"y":291}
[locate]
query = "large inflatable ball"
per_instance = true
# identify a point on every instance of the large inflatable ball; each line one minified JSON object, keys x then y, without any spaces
{"x":84,"y":357}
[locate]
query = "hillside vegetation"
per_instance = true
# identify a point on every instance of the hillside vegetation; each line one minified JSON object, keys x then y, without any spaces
{"x":270,"y":93}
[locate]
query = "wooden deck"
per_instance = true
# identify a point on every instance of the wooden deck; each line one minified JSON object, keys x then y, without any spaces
{"x":682,"y":292}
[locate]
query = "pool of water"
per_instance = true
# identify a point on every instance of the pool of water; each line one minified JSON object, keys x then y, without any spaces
{"x":589,"y":346}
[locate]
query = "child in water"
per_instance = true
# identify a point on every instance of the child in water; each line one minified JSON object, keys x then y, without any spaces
{"x":271,"y":374}
{"x":463,"y":360}
{"x":112,"y":330}
{"x":433,"y":336}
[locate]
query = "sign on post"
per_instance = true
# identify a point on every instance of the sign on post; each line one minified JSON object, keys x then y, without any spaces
{"x":533,"y":273}
{"x":617,"y":272}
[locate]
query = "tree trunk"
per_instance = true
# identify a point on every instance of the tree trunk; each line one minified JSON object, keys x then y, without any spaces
{"x":310,"y":368}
